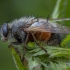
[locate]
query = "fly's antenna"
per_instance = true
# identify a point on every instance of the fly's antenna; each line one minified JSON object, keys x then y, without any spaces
{"x":48,"y":17}
{"x":0,"y":30}
{"x":61,"y":19}
{"x":37,"y":18}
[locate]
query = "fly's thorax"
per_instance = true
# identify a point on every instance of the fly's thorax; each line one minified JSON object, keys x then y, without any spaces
{"x":24,"y":21}
{"x":18,"y":26}
{"x":18,"y":33}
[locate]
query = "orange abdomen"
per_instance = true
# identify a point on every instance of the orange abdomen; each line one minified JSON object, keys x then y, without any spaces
{"x":42,"y":36}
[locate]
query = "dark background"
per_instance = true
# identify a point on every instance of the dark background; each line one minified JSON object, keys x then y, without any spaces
{"x":12,"y":9}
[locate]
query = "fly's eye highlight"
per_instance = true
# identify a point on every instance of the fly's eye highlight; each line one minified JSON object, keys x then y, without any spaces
{"x":5,"y":29}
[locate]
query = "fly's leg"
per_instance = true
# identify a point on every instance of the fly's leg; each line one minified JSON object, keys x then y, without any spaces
{"x":18,"y":43}
{"x":24,"y":49}
{"x":25,"y":43}
{"x":38,"y":43}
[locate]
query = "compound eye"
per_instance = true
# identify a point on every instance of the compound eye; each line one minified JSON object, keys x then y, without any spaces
{"x":5,"y":29}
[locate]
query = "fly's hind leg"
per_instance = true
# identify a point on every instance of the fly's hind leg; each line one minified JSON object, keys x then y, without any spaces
{"x":38,"y":43}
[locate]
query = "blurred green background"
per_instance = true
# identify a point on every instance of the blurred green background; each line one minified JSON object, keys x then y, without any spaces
{"x":12,"y":9}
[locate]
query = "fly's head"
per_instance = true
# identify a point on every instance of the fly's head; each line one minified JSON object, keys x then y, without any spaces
{"x":4,"y":32}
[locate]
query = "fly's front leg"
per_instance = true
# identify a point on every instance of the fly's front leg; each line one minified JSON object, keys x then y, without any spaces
{"x":25,"y":47}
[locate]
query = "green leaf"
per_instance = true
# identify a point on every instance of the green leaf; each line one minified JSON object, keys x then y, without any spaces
{"x":65,"y":41}
{"x":17,"y":60}
{"x":31,"y":44}
{"x":55,"y":13}
{"x":59,"y":9}
{"x":33,"y":64}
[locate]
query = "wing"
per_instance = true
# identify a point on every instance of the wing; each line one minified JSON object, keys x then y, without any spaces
{"x":45,"y":26}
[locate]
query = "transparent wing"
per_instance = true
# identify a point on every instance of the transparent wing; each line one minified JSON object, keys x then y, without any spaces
{"x":48,"y":27}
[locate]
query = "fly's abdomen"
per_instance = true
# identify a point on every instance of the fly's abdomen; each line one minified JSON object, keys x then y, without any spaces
{"x":43,"y":36}
{"x":55,"y":39}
